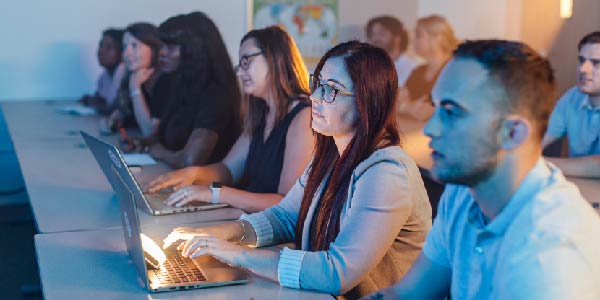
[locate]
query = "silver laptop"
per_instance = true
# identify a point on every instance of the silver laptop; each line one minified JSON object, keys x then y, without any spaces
{"x":108,"y":155}
{"x":166,"y":270}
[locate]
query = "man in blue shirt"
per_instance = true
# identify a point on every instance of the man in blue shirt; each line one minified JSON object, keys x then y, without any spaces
{"x":509,"y":225}
{"x":577,"y":115}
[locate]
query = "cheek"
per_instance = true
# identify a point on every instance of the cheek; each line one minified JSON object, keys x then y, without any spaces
{"x":339,"y":119}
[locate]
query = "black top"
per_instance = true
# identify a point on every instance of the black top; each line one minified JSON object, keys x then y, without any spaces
{"x":156,"y":98}
{"x":210,"y":106}
{"x":265,"y":159}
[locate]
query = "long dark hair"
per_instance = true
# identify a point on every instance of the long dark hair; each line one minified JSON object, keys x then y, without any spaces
{"x":375,"y":88}
{"x":203,"y":60}
{"x":287,"y":74}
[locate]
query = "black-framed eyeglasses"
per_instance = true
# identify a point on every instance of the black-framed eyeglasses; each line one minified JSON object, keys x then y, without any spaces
{"x":328,"y":92}
{"x":245,"y":61}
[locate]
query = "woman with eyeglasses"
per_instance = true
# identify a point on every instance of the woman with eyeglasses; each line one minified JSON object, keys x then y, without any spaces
{"x":359,"y":214}
{"x":276,"y":143}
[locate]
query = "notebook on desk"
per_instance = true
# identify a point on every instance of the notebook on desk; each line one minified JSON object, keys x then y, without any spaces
{"x":109,"y":157}
{"x":166,"y":270}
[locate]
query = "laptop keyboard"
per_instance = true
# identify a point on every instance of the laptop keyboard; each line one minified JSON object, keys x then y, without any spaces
{"x":157,"y":199}
{"x":178,"y":269}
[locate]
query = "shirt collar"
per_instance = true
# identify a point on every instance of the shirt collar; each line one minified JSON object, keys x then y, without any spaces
{"x":536,"y":178}
{"x":585,"y":102}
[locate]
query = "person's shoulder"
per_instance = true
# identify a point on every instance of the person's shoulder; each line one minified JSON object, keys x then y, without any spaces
{"x":391,"y":158}
{"x":301,"y":121}
{"x":571,"y":97}
{"x":558,"y":213}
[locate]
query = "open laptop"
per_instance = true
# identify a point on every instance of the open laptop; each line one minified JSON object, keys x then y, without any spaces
{"x":166,"y":270}
{"x":109,"y":157}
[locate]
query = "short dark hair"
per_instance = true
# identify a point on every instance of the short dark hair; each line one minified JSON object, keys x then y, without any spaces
{"x":392,"y":24}
{"x":116,"y":35}
{"x":590,"y":38}
{"x":526,"y":77}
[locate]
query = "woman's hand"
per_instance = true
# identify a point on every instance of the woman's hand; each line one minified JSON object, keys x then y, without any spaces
{"x":188,"y":233}
{"x":176,"y":179}
{"x":186,"y":195}
{"x":261,"y":262}
{"x":212,"y":240}
{"x":206,"y":244}
{"x":139,"y":77}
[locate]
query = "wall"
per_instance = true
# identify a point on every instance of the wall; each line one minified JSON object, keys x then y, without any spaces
{"x":476,"y":19}
{"x":52,"y":54}
{"x":49,"y":47}
{"x":354,"y":14}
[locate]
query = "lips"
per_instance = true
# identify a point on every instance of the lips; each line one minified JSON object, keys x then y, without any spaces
{"x":435,"y":154}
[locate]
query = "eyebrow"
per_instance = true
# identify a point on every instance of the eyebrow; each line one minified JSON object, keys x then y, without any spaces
{"x":337,"y":83}
{"x":592,"y":59}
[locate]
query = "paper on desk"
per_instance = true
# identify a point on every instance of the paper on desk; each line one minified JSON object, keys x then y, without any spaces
{"x":78,"y":110}
{"x":138,"y":159}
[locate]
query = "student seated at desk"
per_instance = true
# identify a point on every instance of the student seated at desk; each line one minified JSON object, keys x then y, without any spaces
{"x":577,"y":115}
{"x":136,"y":108}
{"x":434,"y":41}
{"x":359,"y":214}
{"x":201,"y":118}
{"x":277,"y":141}
{"x":109,"y":57}
{"x":389,"y":34}
{"x":509,"y":225}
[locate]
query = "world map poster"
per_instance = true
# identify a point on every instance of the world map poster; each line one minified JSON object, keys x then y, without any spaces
{"x":312,"y":23}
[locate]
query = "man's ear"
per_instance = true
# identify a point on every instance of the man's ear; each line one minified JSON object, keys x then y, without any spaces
{"x":514,"y":131}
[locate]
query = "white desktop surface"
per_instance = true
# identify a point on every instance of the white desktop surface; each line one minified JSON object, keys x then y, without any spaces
{"x":95,"y":265}
{"x":68,"y":191}
{"x":40,"y":120}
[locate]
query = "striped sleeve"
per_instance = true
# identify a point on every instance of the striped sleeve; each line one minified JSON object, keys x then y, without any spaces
{"x":263,"y":228}
{"x":288,"y":267}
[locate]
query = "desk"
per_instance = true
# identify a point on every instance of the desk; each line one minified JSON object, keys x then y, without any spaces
{"x":95,"y":265}
{"x":69,"y":192}
{"x":40,"y":120}
{"x":66,"y":187}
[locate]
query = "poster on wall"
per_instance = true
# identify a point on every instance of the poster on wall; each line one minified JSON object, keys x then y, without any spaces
{"x":312,"y":23}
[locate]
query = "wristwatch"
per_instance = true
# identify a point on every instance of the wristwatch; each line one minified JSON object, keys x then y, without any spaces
{"x":215,"y":188}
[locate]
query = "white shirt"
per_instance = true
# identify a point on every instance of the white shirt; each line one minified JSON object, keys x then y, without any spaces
{"x":404,"y":66}
{"x":544,"y":244}
{"x":108,"y":86}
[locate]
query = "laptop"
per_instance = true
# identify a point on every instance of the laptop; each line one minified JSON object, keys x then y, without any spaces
{"x":166,"y":270}
{"x":109,"y":157}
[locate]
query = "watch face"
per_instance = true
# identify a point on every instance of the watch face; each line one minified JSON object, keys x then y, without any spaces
{"x":216,"y":185}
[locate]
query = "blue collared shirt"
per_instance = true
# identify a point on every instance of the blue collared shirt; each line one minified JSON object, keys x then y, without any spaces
{"x":542,"y":245}
{"x":576,"y":117}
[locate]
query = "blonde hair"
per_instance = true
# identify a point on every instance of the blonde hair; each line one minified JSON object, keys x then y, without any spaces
{"x":438,"y":27}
